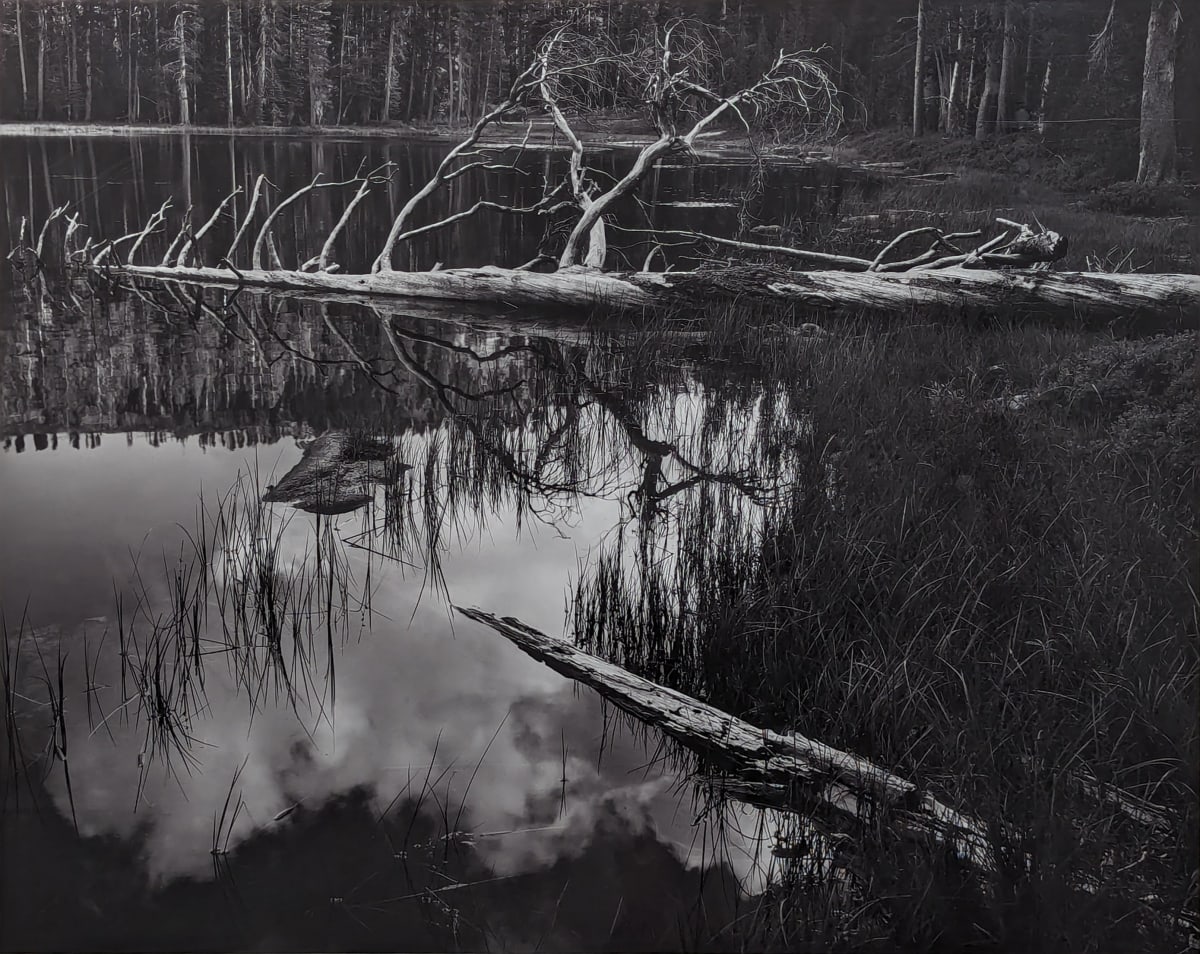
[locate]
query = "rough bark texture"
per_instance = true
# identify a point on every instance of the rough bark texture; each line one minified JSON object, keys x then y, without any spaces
{"x":814,"y":775}
{"x":985,"y":120}
{"x":1099,"y":294}
{"x":336,"y":473}
{"x":838,"y":790}
{"x":918,"y":125}
{"x":1005,"y":90}
{"x":1156,"y":156}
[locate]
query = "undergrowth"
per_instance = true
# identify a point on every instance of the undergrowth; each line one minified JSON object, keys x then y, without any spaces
{"x":982,"y":579}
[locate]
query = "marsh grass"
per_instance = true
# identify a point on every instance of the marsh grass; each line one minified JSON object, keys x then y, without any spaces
{"x":232,"y":590}
{"x":993,"y":598}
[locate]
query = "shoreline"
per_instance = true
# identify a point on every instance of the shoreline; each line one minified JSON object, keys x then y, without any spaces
{"x":84,"y":130}
{"x":596,"y":135}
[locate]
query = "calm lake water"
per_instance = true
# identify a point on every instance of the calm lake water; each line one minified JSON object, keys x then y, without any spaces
{"x":387,"y":775}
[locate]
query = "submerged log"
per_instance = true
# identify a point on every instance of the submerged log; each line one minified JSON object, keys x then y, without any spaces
{"x":790,"y":770}
{"x":839,"y":791}
{"x":1101,"y":294}
{"x":335,"y":474}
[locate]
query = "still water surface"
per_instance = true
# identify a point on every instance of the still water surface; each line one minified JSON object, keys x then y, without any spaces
{"x":388,"y":775}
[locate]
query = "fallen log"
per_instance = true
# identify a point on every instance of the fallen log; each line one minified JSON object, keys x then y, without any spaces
{"x":1099,"y":294}
{"x":335,"y":474}
{"x":839,"y":791}
{"x":835,"y":784}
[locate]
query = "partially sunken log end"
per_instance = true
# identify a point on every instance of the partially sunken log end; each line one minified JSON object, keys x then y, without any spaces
{"x":336,"y":473}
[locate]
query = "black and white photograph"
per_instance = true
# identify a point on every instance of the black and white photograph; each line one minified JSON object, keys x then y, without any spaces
{"x":547,"y":476}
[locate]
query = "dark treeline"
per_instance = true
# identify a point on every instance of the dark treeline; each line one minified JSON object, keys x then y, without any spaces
{"x":972,"y":67}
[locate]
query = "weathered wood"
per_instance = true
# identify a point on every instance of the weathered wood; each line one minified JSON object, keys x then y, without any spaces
{"x":335,"y":474}
{"x":1100,"y":294}
{"x":840,"y":791}
{"x":811,"y":773}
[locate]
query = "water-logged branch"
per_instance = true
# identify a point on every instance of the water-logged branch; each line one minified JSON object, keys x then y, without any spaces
{"x":817,"y":774}
{"x":152,"y":223}
{"x":194,"y":241}
{"x":789,"y":771}
{"x":184,"y":229}
{"x":364,"y":189}
{"x":250,"y":210}
{"x":518,"y":94}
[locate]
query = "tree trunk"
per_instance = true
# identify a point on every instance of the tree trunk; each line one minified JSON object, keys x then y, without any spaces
{"x":952,"y":112}
{"x":21,"y":57}
{"x":264,"y":56}
{"x":934,"y":113}
{"x":229,"y":62}
{"x":313,"y":45}
{"x":1044,"y":98}
{"x":389,"y":74}
{"x":1098,"y":294}
{"x":131,"y":54}
{"x":41,"y":65}
{"x":341,"y":67}
{"x":181,"y":37}
{"x":412,"y":82}
{"x":1156,"y":155}
{"x":971,"y":71}
{"x":88,"y":78}
{"x":1004,"y":108}
{"x":985,"y":122}
{"x":918,"y":116}
{"x":72,"y":66}
{"x":1026,"y":98}
{"x":450,"y":66}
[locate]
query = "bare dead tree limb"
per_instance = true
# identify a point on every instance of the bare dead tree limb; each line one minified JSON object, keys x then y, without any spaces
{"x":250,"y":210}
{"x":56,"y":213}
{"x":517,"y":94}
{"x":363,"y":190}
{"x":157,"y":219}
{"x":184,"y":228}
{"x":194,"y":241}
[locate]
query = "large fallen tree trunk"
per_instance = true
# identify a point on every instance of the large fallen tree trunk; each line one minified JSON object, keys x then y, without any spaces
{"x":1101,"y":294}
{"x":815,"y":776}
{"x":838,"y":790}
{"x":670,"y":70}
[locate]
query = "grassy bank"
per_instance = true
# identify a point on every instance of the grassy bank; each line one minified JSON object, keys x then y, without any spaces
{"x":984,"y":579}
{"x":1083,"y":167}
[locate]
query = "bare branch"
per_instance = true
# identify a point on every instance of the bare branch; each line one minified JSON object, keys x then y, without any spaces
{"x":157,"y":219}
{"x":73,"y":225}
{"x":184,"y":228}
{"x":54,"y":214}
{"x":250,"y":210}
{"x":848,"y":262}
{"x":363,"y":189}
{"x":517,"y":94}
{"x":195,"y":239}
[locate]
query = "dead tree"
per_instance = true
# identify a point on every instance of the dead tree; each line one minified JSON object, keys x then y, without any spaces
{"x":835,"y":790}
{"x":670,"y":74}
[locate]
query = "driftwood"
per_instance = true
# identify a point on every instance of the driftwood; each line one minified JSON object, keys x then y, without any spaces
{"x":839,"y":786}
{"x":839,"y":791}
{"x":335,"y":474}
{"x":1005,"y":271}
{"x":1089,"y":293}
